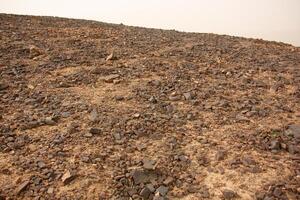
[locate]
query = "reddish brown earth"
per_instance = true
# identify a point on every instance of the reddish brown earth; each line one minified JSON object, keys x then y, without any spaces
{"x":90,"y":110}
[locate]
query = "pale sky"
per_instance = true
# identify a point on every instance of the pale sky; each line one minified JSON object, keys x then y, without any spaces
{"x":277,"y":20}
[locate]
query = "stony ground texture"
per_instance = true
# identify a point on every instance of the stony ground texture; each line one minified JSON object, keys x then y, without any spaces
{"x":90,"y":110}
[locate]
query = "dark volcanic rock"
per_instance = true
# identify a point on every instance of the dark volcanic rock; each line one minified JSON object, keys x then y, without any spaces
{"x":95,"y":131}
{"x":90,"y":110}
{"x":139,"y":176}
{"x":274,"y":145}
{"x":145,"y":192}
{"x":22,"y":187}
{"x":229,"y":194}
{"x":220,"y":155}
{"x":294,"y":130}
{"x":3,"y":86}
{"x":162,"y":190}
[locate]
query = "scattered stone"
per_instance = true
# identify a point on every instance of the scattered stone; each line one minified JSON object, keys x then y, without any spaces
{"x":162,"y":190}
{"x":110,"y":78}
{"x":85,"y":159}
{"x":220,"y":155}
{"x":268,"y":198}
{"x":95,"y":131}
{"x":116,"y":81}
{"x":168,"y":180}
{"x":10,"y":139}
{"x":150,"y":187}
{"x":192,"y":189}
{"x":97,"y":70}
{"x":94,"y":115}
{"x":260,"y":195}
{"x":58,"y":139}
{"x":283,"y":146}
{"x":49,"y":121}
{"x":117,"y":136}
{"x":50,"y":190}
{"x":274,"y":145}
{"x":182,"y":158}
{"x":188,"y":96}
{"x":235,"y":162}
{"x":293,"y":130}
{"x":247,"y":161}
{"x":30,"y":86}
{"x":156,"y":122}
{"x":72,"y":128}
{"x":241,"y":118}
{"x":34,"y":51}
{"x":204,"y":192}
{"x":292,"y":149}
{"x":275,"y":87}
{"x":175,"y":98}
{"x":157,"y":197}
{"x":36,"y":180}
{"x":139,"y":176}
{"x":140,"y":147}
{"x":22,"y":187}
{"x":145,"y":193}
{"x":255,"y":169}
{"x":67,"y":177}
{"x":32,"y":124}
{"x":65,"y":114}
{"x":136,"y":115}
{"x":190,"y":116}
{"x":149,"y":164}
{"x":152,"y":99}
{"x":110,"y":57}
{"x":88,"y":135}
{"x":119,"y":98}
{"x":3,"y":86}
{"x":41,"y":164}
{"x":229,"y":194}
{"x":155,"y":82}
{"x":132,"y":191}
{"x":277,"y":192}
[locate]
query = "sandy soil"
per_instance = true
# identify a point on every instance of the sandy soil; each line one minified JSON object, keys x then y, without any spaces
{"x":90,"y":110}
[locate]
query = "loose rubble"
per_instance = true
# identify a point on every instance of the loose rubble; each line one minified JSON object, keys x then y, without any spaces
{"x":90,"y":110}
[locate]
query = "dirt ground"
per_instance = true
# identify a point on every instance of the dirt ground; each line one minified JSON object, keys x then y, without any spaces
{"x":90,"y":110}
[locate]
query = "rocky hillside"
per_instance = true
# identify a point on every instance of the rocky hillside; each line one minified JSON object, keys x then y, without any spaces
{"x":90,"y":110}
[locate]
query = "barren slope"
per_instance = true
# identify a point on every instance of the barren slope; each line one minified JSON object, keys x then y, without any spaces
{"x":90,"y":110}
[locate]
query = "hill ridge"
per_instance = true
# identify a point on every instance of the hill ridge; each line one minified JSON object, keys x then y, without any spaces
{"x":98,"y":111}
